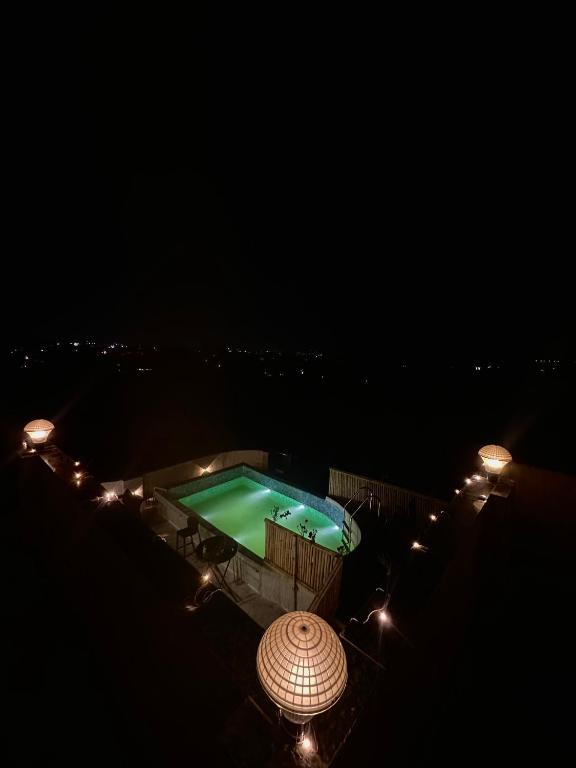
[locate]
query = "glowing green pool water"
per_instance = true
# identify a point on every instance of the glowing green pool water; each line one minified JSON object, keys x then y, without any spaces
{"x":238,"y":508}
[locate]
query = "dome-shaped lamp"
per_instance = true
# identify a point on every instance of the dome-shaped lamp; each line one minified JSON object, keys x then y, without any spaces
{"x":301,"y":665}
{"x":495,"y":458}
{"x":39,"y":430}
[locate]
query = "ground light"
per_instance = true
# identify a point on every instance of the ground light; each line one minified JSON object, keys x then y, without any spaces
{"x":302,"y":668}
{"x":38,"y":431}
{"x":305,"y":743}
{"x":383,"y":616}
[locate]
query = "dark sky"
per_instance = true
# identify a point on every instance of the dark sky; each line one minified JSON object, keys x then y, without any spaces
{"x":337,"y":199}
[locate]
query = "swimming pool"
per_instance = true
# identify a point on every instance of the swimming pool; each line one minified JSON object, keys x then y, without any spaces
{"x":237,"y":507}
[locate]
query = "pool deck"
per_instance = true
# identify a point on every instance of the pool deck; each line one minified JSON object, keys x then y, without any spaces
{"x":262,"y":611}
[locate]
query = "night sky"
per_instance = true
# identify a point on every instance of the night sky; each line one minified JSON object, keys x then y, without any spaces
{"x":173,"y":196}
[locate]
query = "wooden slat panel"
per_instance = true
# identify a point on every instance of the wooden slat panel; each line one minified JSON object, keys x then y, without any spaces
{"x":344,"y":485}
{"x":314,"y":563}
{"x":326,"y":601}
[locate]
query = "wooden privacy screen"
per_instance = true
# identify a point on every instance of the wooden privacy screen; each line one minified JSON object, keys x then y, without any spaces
{"x":344,"y":485}
{"x":326,"y":601}
{"x":290,"y":551}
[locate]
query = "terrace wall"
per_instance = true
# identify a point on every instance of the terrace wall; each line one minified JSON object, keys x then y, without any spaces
{"x":195,"y":468}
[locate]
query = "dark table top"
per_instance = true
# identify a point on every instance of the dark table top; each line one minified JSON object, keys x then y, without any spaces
{"x":217,"y":549}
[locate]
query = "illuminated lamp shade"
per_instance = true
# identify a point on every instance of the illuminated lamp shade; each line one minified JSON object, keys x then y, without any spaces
{"x":301,"y":665}
{"x":39,"y":430}
{"x":494,"y":457}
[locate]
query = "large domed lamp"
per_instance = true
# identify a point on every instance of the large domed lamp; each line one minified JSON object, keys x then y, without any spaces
{"x":302,"y":667}
{"x":494,"y":458}
{"x":37,"y":432}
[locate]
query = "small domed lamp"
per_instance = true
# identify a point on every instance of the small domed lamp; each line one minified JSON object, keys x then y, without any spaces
{"x":38,"y":431}
{"x":495,"y":458}
{"x":301,"y":665}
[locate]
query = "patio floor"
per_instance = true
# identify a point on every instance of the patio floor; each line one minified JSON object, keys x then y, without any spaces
{"x":262,"y":611}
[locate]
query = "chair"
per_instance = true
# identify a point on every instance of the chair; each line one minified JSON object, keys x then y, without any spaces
{"x":184,"y":533}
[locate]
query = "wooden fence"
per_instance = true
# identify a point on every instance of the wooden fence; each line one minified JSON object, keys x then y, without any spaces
{"x":311,"y":563}
{"x":326,"y":601}
{"x":344,"y":485}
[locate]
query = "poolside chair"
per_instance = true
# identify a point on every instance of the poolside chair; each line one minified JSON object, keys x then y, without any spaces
{"x":189,"y":532}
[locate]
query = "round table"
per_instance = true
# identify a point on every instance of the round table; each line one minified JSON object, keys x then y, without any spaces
{"x":217,"y":550}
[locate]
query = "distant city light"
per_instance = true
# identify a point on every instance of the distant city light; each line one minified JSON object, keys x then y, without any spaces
{"x":109,"y":496}
{"x":433,"y":517}
{"x":77,"y":475}
{"x":76,"y":463}
{"x":457,"y":491}
{"x":467,"y":480}
{"x":384,"y":617}
{"x":417,"y":546}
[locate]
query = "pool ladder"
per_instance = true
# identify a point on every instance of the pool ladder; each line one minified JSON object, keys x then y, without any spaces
{"x":372,"y":499}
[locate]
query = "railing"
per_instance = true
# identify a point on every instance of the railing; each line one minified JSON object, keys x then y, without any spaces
{"x":326,"y":601}
{"x":310,"y":563}
{"x":393,"y":498}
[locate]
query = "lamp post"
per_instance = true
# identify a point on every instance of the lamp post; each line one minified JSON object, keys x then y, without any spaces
{"x":301,"y":666}
{"x":38,"y":431}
